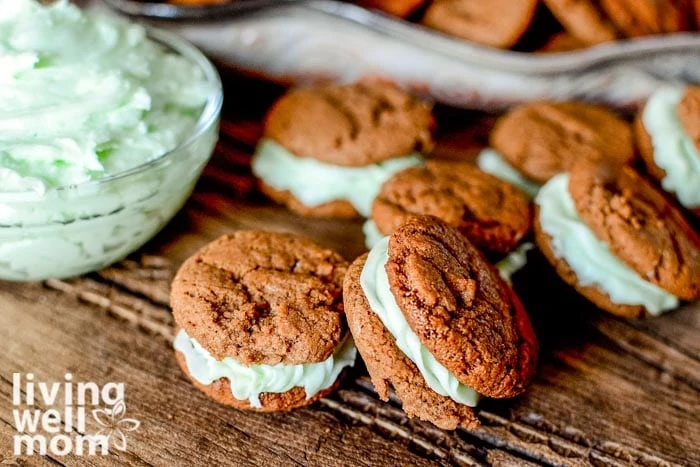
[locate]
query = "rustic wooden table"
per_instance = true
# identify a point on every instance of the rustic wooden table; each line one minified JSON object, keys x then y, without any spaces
{"x":609,"y":391}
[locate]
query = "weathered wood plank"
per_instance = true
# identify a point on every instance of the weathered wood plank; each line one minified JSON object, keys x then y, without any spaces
{"x":57,"y":334}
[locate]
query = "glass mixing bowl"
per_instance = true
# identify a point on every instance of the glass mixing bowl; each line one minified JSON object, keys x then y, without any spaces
{"x":76,"y":229}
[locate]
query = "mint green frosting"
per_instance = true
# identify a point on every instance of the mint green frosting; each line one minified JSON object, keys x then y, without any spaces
{"x":372,"y":233}
{"x":314,"y":183}
{"x":375,"y":285}
{"x":248,"y":382}
{"x":514,"y":262}
{"x":674,"y":150}
{"x":492,"y":162}
{"x":84,"y":96}
{"x":591,"y":258}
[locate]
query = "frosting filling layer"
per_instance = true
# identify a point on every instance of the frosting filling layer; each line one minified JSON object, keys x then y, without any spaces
{"x":375,"y":285}
{"x":490,"y":161}
{"x":674,"y":150}
{"x":514,"y":262}
{"x":315,"y":183}
{"x":248,"y":382}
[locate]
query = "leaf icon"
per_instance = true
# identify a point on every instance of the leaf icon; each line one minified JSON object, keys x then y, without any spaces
{"x":129,"y":424}
{"x":103,"y":417}
{"x":118,"y":409}
{"x":118,"y":440}
{"x":115,"y":425}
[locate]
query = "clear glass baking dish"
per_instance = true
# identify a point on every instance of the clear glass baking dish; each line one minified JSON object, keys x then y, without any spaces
{"x":307,"y":41}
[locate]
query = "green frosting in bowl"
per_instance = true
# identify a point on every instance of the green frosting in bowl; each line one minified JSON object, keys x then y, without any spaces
{"x":85,"y":96}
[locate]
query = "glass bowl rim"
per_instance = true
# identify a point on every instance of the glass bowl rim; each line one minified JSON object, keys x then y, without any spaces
{"x":208,"y":117}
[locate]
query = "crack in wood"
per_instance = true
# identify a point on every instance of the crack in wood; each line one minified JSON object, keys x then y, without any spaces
{"x":643,"y":327}
{"x":114,"y":308}
{"x":651,"y":351}
{"x":607,"y":451}
{"x":396,"y":430}
{"x":564,"y":450}
{"x":148,"y":277}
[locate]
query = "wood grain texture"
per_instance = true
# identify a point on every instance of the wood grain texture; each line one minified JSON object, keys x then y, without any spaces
{"x":609,"y":391}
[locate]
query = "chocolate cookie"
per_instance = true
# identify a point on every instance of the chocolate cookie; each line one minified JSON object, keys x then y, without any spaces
{"x":614,"y":237}
{"x":464,"y":317}
{"x":493,"y":214}
{"x":646,"y":17}
{"x":641,"y":228}
{"x":562,"y":42}
{"x":583,"y":19}
{"x":684,"y":117}
{"x":495,"y":23}
{"x":326,"y":151}
{"x":270,"y":300}
{"x":543,"y":139}
{"x":351,"y":125}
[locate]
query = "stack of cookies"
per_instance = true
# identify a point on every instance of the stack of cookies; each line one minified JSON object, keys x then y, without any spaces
{"x":272,"y":321}
{"x":581,"y":23}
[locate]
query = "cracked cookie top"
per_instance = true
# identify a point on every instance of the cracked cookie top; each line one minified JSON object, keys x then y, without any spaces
{"x":262,"y":298}
{"x":640,"y":226}
{"x":351,"y":125}
{"x":493,"y":214}
{"x":543,"y":139}
{"x":460,"y":308}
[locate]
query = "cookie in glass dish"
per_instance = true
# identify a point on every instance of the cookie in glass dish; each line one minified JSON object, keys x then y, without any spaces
{"x":494,"y":23}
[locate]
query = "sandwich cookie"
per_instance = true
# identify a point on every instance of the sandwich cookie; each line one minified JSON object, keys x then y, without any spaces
{"x":327,"y":151}
{"x":543,"y":139}
{"x":492,"y":214}
{"x":494,"y":23}
{"x":617,"y":241}
{"x":668,"y":136}
{"x":432,"y":319}
{"x":260,"y":320}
